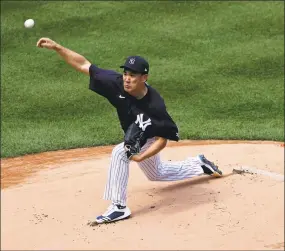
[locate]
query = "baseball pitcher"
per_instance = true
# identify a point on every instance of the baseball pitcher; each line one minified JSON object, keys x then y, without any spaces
{"x":146,"y":124}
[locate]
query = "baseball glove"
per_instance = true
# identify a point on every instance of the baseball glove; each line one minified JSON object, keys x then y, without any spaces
{"x":134,"y":140}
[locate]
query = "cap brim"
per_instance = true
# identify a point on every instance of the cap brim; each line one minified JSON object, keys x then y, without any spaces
{"x":129,"y":69}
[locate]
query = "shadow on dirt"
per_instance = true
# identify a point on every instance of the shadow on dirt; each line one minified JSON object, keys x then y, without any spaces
{"x":181,"y":196}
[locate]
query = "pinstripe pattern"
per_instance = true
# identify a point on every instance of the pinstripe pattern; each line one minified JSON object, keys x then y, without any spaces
{"x":153,"y":168}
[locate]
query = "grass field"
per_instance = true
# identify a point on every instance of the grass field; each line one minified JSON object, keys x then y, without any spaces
{"x":218,"y":65}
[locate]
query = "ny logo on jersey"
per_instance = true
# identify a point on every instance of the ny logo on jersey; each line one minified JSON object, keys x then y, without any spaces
{"x":132,"y":61}
{"x":142,"y":124}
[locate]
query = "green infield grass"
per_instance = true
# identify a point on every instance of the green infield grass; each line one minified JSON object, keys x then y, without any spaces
{"x":218,"y":65}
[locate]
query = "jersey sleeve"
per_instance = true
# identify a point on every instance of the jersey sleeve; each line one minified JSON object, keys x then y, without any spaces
{"x":164,"y":125}
{"x":167,"y":127}
{"x":102,"y":81}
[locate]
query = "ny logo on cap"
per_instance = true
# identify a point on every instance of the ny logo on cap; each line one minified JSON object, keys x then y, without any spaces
{"x":132,"y":60}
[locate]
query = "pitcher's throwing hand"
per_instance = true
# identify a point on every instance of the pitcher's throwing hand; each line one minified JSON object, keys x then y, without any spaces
{"x":46,"y":43}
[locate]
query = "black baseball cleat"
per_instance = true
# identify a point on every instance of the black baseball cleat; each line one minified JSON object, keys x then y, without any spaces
{"x":209,"y":167}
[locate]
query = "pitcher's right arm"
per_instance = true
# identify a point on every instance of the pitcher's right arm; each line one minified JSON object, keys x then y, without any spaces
{"x":74,"y":59}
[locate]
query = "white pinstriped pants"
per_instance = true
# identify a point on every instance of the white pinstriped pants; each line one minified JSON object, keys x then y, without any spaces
{"x":153,"y":168}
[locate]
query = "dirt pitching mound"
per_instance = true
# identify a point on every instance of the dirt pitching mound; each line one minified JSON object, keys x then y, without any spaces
{"x":48,"y":199}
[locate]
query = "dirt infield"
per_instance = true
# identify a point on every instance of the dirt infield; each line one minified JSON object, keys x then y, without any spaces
{"x":48,"y":199}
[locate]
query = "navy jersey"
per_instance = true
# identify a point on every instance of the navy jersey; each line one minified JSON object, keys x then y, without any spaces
{"x":149,"y":112}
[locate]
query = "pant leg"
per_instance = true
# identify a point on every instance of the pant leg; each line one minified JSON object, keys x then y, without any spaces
{"x":157,"y":170}
{"x":118,"y":175}
{"x":153,"y":168}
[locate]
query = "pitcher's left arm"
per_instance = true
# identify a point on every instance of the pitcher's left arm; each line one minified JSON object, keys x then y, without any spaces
{"x":155,"y":148}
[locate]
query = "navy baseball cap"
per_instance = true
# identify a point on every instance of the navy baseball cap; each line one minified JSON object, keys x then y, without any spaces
{"x":136,"y":64}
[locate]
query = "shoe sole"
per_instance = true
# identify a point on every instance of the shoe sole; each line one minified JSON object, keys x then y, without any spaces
{"x":110,"y":221}
{"x":96,"y":222}
{"x":217,"y":174}
{"x":209,"y":164}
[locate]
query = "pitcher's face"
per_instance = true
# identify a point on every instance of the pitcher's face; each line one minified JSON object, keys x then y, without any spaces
{"x":133,"y":82}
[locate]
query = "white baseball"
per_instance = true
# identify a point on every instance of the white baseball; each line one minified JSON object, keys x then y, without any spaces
{"x":29,"y":23}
